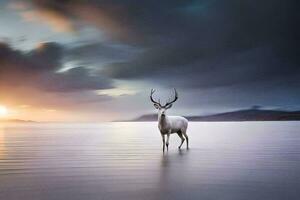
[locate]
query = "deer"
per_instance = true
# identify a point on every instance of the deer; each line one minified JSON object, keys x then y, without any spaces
{"x":168,"y":125}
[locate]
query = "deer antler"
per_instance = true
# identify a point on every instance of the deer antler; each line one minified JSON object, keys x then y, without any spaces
{"x":151,"y":98}
{"x":175,"y":99}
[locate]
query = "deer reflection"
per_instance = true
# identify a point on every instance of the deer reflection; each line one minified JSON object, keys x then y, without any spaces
{"x":172,"y":169}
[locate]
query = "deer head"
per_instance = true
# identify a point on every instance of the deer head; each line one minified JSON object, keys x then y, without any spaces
{"x":157,"y":105}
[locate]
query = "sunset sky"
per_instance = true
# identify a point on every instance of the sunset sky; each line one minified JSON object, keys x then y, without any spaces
{"x":63,"y":60}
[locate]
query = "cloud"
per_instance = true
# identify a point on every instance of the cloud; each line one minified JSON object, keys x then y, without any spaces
{"x":125,"y":20}
{"x":58,"y":22}
{"x":100,"y":53}
{"x":72,"y":15}
{"x":240,"y":68}
{"x":38,"y":69}
{"x":246,"y":47}
{"x":213,"y":43}
{"x":32,"y":78}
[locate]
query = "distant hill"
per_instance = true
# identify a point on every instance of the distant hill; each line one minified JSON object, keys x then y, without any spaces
{"x":15,"y":121}
{"x":239,"y":115}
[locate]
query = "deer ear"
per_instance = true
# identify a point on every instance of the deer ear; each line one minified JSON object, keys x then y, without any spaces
{"x":156,"y":106}
{"x":169,"y":106}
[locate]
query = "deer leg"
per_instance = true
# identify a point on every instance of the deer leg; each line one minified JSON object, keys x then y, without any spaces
{"x":182,"y":139}
{"x":163,"y":140}
{"x":187,"y":139}
{"x":168,"y":137}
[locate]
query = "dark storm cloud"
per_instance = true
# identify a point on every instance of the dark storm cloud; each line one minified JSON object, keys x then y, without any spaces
{"x":96,"y":53}
{"x":38,"y":69}
{"x":122,"y":19}
{"x":239,"y":68}
{"x":195,"y":43}
{"x":226,"y":43}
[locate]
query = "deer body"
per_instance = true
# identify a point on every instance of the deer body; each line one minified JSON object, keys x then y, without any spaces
{"x":172,"y":124}
{"x":168,"y":125}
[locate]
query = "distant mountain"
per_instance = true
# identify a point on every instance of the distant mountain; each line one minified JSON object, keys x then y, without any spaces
{"x":15,"y":121}
{"x":250,"y":115}
{"x":239,"y":115}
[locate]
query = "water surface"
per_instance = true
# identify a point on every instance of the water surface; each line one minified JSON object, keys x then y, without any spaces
{"x":230,"y":160}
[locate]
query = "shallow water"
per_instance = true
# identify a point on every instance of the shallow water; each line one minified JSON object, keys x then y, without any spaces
{"x":230,"y":160}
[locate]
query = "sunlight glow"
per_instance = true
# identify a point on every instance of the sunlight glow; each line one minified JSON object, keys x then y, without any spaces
{"x":3,"y":110}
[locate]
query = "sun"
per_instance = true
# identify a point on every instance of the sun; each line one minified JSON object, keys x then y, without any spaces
{"x":3,"y":111}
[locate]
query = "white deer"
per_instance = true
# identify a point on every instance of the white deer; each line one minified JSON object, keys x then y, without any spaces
{"x":170,"y":124}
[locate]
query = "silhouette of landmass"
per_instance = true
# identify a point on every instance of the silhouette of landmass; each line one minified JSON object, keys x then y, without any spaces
{"x":15,"y":121}
{"x":253,"y":114}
